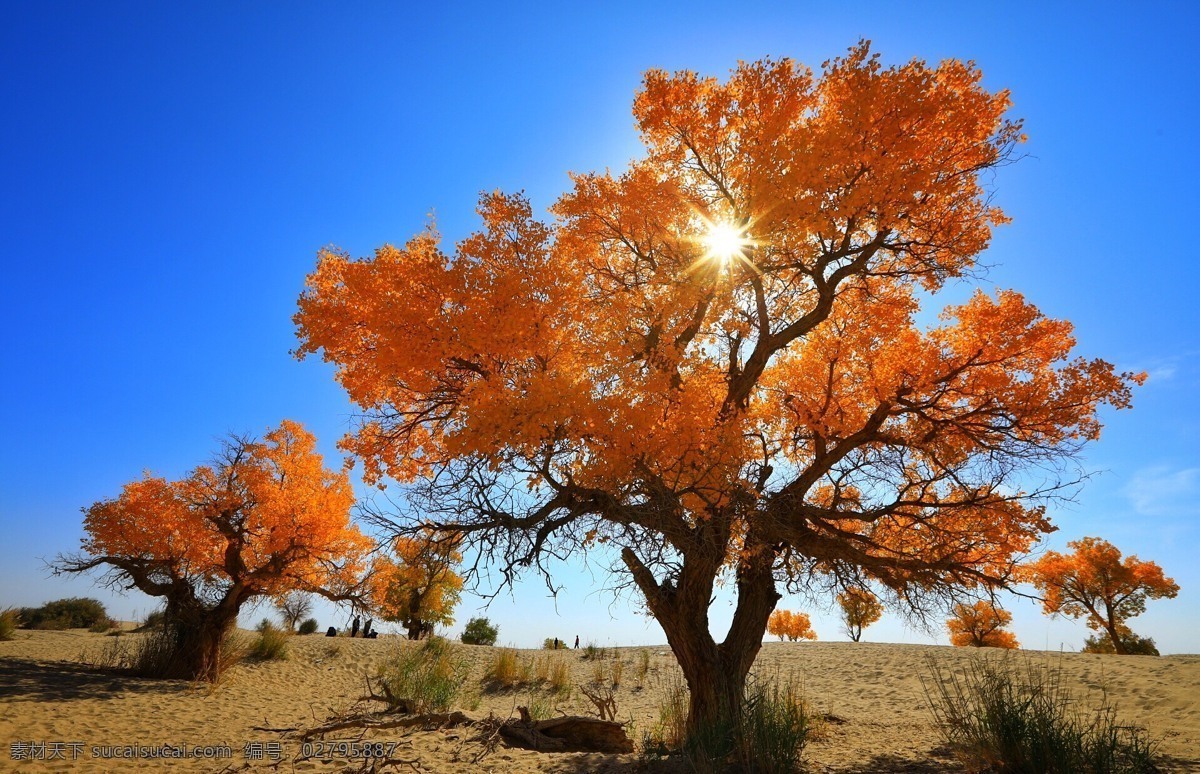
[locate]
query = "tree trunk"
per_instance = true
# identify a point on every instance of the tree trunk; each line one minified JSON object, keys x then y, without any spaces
{"x":1114,"y":634}
{"x":715,"y":673}
{"x":197,"y":634}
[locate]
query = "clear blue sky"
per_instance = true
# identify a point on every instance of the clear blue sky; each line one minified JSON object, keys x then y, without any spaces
{"x":170,"y":170}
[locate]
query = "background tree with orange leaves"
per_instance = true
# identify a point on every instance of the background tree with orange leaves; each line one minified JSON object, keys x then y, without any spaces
{"x":419,"y":588}
{"x":860,"y":609}
{"x":711,"y":363}
{"x":980,"y":625}
{"x":1095,"y":583}
{"x":264,"y":518}
{"x":794,"y":626}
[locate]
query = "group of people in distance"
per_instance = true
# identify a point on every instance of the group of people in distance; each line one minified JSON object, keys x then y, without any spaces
{"x":366,"y":632}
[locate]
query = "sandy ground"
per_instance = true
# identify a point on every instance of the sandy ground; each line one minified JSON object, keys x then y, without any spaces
{"x":874,"y":691}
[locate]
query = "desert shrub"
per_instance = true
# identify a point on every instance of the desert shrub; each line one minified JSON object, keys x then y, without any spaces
{"x":10,"y":619}
{"x":774,"y":727}
{"x":560,"y":677}
{"x":550,"y":643}
{"x":100,"y":627}
{"x":504,"y":669}
{"x":72,"y":613}
{"x":1134,"y":645}
{"x":480,"y":631}
{"x":271,"y":644}
{"x":592,"y":651}
{"x":616,"y":671}
{"x":599,"y":672}
{"x":542,"y":668}
{"x":1001,"y":718}
{"x":426,"y":678}
{"x":153,"y":621}
{"x":540,"y":708}
{"x":309,"y":626}
{"x":643,"y":666}
{"x":670,"y":730}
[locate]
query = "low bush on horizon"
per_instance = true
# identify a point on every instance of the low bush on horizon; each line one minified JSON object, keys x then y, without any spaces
{"x":271,"y":644}
{"x":100,"y":627}
{"x":154,"y":620}
{"x":480,"y":631}
{"x":70,"y":613}
{"x":998,"y":717}
{"x":551,"y":643}
{"x":309,"y":626}
{"x":1133,"y":645}
{"x":10,"y":619}
{"x":425,"y":678}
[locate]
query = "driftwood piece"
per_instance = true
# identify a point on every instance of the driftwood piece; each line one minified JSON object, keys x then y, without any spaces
{"x":431,"y":720}
{"x":571,"y":733}
{"x":602,"y":697}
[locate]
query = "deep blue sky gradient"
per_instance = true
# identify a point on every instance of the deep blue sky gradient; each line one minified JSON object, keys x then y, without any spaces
{"x":171,"y":169}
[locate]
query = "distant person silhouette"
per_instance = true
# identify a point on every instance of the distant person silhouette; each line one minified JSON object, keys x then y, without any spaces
{"x":354,"y":627}
{"x":367,"y":629}
{"x":576,"y":642}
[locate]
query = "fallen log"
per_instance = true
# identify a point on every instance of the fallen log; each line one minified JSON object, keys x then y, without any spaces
{"x":570,"y":733}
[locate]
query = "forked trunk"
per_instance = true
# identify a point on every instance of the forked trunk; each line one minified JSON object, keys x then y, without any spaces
{"x":715,"y":673}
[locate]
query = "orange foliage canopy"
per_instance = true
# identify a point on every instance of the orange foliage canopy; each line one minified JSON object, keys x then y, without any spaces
{"x":265,"y":518}
{"x":794,"y":626}
{"x":860,"y":609}
{"x":1094,"y":582}
{"x":419,"y":588}
{"x":980,"y":625}
{"x":771,"y":409}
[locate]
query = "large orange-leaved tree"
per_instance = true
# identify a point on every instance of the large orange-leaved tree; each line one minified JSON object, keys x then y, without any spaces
{"x":1095,"y":583}
{"x":264,"y":518}
{"x":709,"y":364}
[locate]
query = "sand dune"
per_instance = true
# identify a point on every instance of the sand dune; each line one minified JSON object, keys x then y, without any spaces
{"x":874,"y":691}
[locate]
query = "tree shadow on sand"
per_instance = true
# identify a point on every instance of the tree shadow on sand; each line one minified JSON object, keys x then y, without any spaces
{"x":28,"y":680}
{"x":889,"y":763}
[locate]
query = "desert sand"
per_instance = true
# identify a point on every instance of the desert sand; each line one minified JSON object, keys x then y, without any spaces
{"x":873,"y":692}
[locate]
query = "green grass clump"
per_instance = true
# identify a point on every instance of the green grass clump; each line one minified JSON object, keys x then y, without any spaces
{"x":643,"y":666}
{"x":271,"y":644}
{"x":768,"y":737}
{"x":427,"y":678}
{"x":998,"y":717}
{"x":774,"y":727}
{"x":560,"y":677}
{"x":10,"y":619}
{"x":504,"y":671}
